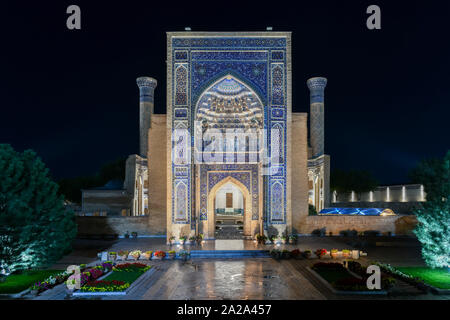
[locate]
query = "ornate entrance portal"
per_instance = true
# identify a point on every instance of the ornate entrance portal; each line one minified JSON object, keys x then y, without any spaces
{"x":228,"y":126}
{"x":229,"y":102}
{"x":232,"y":221}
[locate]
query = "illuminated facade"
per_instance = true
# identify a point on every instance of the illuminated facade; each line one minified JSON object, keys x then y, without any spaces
{"x":229,"y":144}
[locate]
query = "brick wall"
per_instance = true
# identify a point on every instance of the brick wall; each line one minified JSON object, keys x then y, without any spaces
{"x":157,"y":176}
{"x":116,"y":225}
{"x":299,"y":190}
{"x":110,"y":201}
{"x":399,"y":225}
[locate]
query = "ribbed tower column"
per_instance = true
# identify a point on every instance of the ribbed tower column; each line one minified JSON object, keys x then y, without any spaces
{"x":147,"y":87}
{"x":316,"y":115}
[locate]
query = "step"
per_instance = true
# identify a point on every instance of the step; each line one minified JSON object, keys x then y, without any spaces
{"x":229,"y":254}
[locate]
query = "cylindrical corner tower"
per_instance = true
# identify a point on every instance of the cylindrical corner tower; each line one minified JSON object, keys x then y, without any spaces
{"x":147,"y":87}
{"x":316,"y":116}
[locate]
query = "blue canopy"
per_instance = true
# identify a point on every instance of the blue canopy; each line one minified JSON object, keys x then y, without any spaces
{"x":357,"y":211}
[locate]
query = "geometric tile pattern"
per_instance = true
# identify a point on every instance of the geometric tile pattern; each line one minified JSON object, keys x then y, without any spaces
{"x":199,"y":61}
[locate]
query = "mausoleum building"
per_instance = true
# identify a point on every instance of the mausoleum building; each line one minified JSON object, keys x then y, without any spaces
{"x":229,"y":150}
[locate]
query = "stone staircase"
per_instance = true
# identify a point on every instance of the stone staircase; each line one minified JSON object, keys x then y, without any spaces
{"x":229,"y":231}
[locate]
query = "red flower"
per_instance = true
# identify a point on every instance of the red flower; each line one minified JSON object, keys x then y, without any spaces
{"x":160,"y":253}
{"x":104,"y":283}
{"x":321,"y":252}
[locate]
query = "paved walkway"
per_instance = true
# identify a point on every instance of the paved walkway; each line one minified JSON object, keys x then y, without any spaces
{"x":85,"y":251}
{"x":233,"y":278}
{"x":208,"y":279}
{"x":224,"y":279}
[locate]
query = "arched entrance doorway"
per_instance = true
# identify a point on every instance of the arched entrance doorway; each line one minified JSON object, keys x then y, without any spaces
{"x":240,"y":211}
{"x":229,"y":212}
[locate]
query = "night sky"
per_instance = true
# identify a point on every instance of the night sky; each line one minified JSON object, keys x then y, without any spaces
{"x":71,"y":95}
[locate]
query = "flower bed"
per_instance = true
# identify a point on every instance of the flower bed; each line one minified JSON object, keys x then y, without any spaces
{"x":105,"y":286}
{"x":342,"y":280}
{"x":131,"y":267}
{"x":50,"y":282}
{"x":119,"y":280}
{"x":90,"y":274}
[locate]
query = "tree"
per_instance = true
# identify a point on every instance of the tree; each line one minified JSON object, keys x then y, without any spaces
{"x":71,"y":187}
{"x":35,"y":228}
{"x":433,"y":227}
{"x":358,"y":181}
{"x":339,"y":182}
{"x":114,"y":170}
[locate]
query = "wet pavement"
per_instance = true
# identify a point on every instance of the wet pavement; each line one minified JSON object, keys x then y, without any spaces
{"x":222,"y":279}
{"x":262,"y":279}
{"x":85,"y":251}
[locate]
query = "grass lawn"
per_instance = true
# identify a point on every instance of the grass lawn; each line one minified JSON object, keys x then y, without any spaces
{"x":339,"y":277}
{"x":439,"y":278}
{"x":16,"y":283}
{"x":333,"y":275}
{"x":129,"y":277}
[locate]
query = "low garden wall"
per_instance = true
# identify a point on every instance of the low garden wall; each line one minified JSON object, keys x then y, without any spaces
{"x":118,"y":226}
{"x":399,"y":225}
{"x":397,"y":207}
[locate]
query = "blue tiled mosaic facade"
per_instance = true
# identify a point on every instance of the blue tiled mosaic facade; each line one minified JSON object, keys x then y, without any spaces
{"x":259,"y":62}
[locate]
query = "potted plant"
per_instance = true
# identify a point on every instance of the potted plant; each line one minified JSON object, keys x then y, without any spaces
{"x":171,"y":240}
{"x":183,"y":239}
{"x":159,"y":255}
{"x":273,"y":238}
{"x":345,"y":253}
{"x":183,"y":254}
{"x":293,"y":239}
{"x":334,"y":253}
{"x":126,"y":235}
{"x":134,"y":234}
{"x":123,"y":254}
{"x":112,"y":256}
{"x":136,"y":254}
{"x":199,"y":238}
{"x":296,"y":254}
{"x":307,"y":254}
{"x":261,"y":238}
{"x":192,"y":239}
{"x":172,"y":254}
{"x":320,"y":253}
{"x":283,"y":239}
{"x":147,"y":255}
